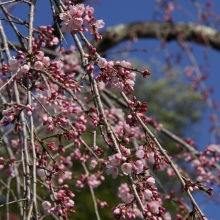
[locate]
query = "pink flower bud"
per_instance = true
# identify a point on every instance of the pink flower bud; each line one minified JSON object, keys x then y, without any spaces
{"x":46,"y":61}
{"x":29,"y":113}
{"x":55,"y":40}
{"x":5,"y":112}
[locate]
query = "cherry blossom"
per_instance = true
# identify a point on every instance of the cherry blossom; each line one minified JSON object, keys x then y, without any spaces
{"x":112,"y":170}
{"x":58,"y":112}
{"x":102,"y":63}
{"x":148,"y":194}
{"x":38,"y":65}
{"x":151,"y":181}
{"x":140,"y":154}
{"x":14,"y":63}
{"x":25,"y":68}
{"x":98,"y":24}
{"x":126,"y":168}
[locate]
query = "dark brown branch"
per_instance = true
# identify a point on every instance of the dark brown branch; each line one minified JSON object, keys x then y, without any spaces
{"x":199,"y":34}
{"x":191,"y":32}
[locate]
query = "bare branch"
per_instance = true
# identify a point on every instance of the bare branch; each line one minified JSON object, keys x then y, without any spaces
{"x":199,"y":34}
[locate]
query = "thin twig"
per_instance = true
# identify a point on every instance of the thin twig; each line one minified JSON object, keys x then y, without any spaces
{"x":92,"y":194}
{"x":30,"y":50}
{"x":20,"y":200}
{"x":146,"y":129}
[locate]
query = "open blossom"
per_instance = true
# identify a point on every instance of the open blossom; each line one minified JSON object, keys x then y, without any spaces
{"x":93,"y":163}
{"x":77,"y":9}
{"x":138,"y":167}
{"x":66,"y":26}
{"x":93,"y":182}
{"x":25,"y":68}
{"x":126,"y":168}
{"x":38,"y":65}
{"x":78,"y":21}
{"x":47,"y":206}
{"x":130,"y":82}
{"x":14,"y":63}
{"x":55,"y":41}
{"x":112,"y":170}
{"x":102,"y":63}
{"x":46,"y":61}
{"x":154,"y":205}
{"x":115,"y":84}
{"x":132,"y":76}
{"x":125,"y":64}
{"x":65,"y":16}
{"x":167,"y":216}
{"x":39,"y":55}
{"x":125,"y":194}
{"x":147,"y":194}
{"x":140,"y":154}
{"x":115,"y":160}
{"x":98,"y":24}
{"x":151,"y":181}
{"x":89,"y":10}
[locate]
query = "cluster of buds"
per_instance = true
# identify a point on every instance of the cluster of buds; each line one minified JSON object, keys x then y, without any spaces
{"x":139,"y":109}
{"x":151,"y":201}
{"x":9,"y":172}
{"x":45,"y":37}
{"x":10,"y":115}
{"x":62,"y":203}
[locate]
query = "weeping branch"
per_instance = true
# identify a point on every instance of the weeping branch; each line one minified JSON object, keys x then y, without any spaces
{"x":190,"y":32}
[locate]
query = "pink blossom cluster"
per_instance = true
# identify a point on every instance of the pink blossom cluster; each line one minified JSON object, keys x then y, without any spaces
{"x":62,"y":203}
{"x":66,"y":79}
{"x":77,"y":16}
{"x":16,"y":146}
{"x":52,"y":123}
{"x":10,"y":115}
{"x":8,"y":166}
{"x":70,"y":61}
{"x":201,"y":164}
{"x":167,"y":7}
{"x":127,"y":166}
{"x":93,"y":181}
{"x":153,"y":208}
{"x":124,"y":193}
{"x":126,"y":133}
{"x":59,"y":106}
{"x":117,"y":75}
{"x":155,"y":124}
{"x":19,"y":65}
{"x":57,"y":103}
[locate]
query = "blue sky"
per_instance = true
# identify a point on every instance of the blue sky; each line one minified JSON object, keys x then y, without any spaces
{"x":114,"y":12}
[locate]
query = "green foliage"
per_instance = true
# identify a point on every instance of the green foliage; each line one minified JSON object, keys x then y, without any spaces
{"x":170,"y":99}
